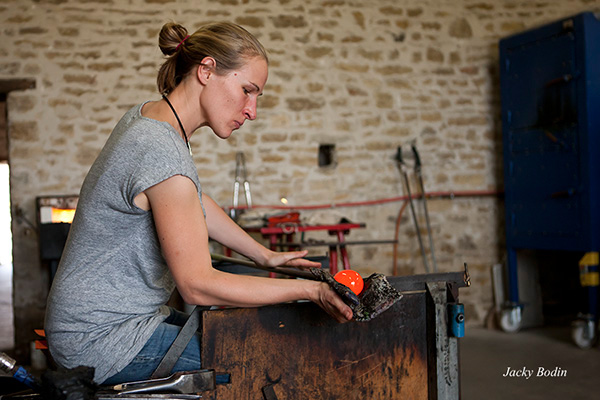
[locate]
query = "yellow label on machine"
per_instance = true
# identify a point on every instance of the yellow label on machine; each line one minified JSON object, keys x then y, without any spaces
{"x":590,"y":258}
{"x":588,"y":269}
{"x":589,"y":279}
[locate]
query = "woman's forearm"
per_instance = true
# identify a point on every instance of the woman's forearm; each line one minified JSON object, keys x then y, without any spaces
{"x":225,"y":231}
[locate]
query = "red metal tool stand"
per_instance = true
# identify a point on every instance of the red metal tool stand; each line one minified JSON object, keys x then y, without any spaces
{"x":275,"y":234}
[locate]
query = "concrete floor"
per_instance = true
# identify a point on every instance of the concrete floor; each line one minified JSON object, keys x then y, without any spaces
{"x":485,"y":356}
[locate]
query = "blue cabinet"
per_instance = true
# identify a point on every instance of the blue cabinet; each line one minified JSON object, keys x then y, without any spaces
{"x":550,"y":96}
{"x":550,"y":91}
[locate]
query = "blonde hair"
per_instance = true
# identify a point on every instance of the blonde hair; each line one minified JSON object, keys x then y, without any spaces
{"x":229,"y":44}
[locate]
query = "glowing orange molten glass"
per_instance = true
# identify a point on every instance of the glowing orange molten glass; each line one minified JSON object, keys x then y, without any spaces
{"x":350,"y":278}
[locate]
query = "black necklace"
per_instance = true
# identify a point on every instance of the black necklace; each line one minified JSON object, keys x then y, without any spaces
{"x":187,"y":142}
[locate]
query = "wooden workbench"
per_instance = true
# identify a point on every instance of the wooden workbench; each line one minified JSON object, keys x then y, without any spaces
{"x":296,"y":351}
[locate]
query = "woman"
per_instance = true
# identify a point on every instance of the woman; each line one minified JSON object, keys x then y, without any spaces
{"x":143,"y":222}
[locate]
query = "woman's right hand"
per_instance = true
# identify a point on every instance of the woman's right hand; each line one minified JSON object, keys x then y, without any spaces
{"x":326,"y":298}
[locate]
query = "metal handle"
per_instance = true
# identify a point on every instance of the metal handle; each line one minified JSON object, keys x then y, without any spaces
{"x":297,"y":273}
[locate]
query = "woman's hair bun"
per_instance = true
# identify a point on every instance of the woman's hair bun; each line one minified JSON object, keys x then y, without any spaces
{"x":170,"y":37}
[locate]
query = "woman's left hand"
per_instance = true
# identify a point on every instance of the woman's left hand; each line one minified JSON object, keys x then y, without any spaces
{"x":289,"y":259}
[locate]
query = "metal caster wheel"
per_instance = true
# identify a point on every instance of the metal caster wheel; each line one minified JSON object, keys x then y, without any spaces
{"x":584,"y":333}
{"x":510,"y":320}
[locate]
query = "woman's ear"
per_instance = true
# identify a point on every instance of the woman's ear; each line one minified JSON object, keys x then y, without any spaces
{"x":206,"y":69}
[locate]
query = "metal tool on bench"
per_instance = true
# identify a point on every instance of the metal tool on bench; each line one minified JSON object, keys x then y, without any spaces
{"x":376,"y":297}
{"x":185,"y":382}
{"x":241,"y":180}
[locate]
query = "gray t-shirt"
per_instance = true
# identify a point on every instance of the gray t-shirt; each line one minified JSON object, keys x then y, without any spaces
{"x":108,"y":295}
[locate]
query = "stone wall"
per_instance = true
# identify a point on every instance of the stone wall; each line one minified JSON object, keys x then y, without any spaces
{"x":366,"y":76}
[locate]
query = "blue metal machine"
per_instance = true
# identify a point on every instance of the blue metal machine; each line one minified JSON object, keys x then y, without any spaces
{"x":550,"y":94}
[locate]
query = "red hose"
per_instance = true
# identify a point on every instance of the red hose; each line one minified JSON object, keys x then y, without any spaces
{"x":451,"y":195}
